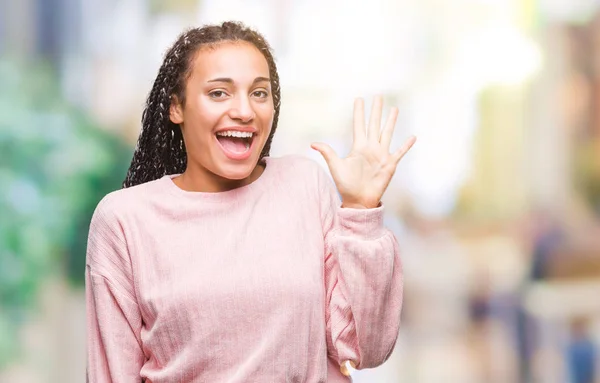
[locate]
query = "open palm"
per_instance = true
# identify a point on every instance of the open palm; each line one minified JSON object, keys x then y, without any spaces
{"x":364,"y":175}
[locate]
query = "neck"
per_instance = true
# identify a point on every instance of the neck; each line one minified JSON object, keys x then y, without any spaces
{"x":199,"y":179}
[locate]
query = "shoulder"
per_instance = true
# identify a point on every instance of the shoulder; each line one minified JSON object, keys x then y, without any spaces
{"x":299,"y":173}
{"x":108,"y":252}
{"x":300,"y":167}
{"x":118,"y":204}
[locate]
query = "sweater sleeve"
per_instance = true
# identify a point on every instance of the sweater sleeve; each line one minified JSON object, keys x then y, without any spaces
{"x":363,"y":278}
{"x":114,"y":352}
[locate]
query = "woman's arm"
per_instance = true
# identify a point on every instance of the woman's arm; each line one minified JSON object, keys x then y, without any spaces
{"x":363,"y":274}
{"x":363,"y":277}
{"x":114,"y":351}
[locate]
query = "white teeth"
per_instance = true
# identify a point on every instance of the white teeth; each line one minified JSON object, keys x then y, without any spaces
{"x":233,"y":133}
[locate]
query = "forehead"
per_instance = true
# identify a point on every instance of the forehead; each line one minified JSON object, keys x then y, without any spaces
{"x":236,"y":60}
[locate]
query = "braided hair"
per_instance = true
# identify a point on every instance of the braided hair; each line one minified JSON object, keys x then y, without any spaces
{"x":160,"y":148}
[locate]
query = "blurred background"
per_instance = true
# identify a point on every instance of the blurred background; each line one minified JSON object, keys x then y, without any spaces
{"x":497,"y":207}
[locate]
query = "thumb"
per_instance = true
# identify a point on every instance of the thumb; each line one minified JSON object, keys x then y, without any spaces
{"x":326,"y":151}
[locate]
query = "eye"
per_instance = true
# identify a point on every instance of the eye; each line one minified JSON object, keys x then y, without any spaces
{"x":217,"y":94}
{"x":260,"y":93}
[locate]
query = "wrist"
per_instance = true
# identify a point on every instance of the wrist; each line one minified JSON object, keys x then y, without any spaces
{"x":355,"y":205}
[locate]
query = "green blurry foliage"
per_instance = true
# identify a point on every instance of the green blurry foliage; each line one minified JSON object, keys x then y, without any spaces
{"x":55,"y":165}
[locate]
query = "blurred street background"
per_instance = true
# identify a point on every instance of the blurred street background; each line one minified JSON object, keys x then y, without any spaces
{"x":496,"y":208}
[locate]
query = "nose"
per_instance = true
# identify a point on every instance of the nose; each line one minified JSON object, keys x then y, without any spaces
{"x":242,"y":110}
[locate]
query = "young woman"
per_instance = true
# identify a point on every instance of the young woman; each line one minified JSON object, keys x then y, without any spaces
{"x":218,"y":263}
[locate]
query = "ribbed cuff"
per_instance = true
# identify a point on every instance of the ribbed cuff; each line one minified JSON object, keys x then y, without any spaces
{"x":364,"y":223}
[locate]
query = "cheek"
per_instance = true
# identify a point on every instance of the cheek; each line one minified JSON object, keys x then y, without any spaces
{"x":203,"y":115}
{"x":266,"y":115}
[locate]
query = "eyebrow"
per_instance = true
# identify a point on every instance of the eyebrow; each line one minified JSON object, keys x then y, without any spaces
{"x":230,"y":81}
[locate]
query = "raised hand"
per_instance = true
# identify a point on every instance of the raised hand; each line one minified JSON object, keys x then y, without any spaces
{"x":364,"y":175}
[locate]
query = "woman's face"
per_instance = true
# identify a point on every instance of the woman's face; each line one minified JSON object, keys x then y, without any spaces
{"x":228,"y":112}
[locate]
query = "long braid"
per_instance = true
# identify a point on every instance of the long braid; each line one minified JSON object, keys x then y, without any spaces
{"x":160,"y":148}
{"x":276,"y":98}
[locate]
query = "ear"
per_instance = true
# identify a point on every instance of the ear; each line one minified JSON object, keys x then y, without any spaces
{"x":176,"y":111}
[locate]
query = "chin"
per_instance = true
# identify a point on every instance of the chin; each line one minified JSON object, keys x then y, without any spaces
{"x":238,"y":171}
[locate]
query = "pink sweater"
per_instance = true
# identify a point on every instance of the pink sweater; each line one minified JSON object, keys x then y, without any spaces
{"x":271,"y":282}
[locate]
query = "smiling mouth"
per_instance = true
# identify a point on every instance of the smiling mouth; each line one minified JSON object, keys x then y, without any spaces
{"x":235,"y":142}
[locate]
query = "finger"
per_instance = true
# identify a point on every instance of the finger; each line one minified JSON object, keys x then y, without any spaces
{"x":375,"y":119}
{"x":326,"y":151}
{"x":397,"y":156}
{"x":388,"y":130}
{"x":359,"y":121}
